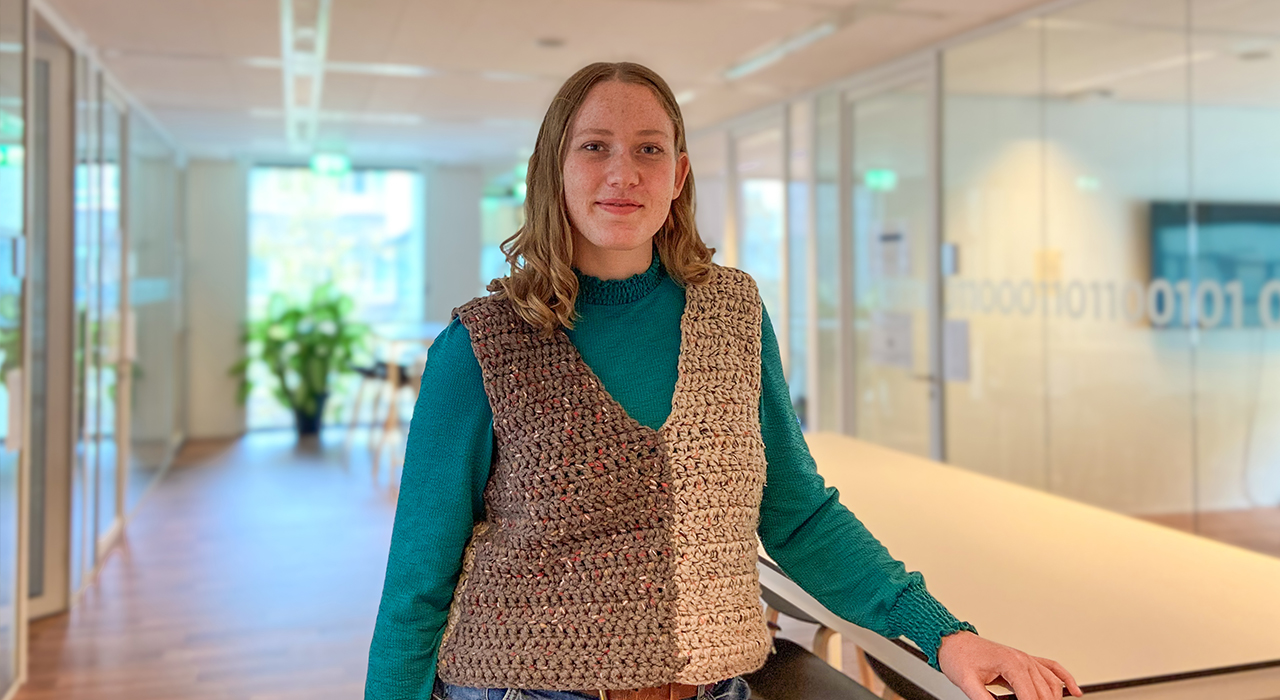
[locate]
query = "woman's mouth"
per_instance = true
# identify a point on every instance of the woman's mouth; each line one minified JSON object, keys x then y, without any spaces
{"x":619,"y":206}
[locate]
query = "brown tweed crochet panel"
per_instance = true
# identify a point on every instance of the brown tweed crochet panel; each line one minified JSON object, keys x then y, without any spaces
{"x":615,"y":556}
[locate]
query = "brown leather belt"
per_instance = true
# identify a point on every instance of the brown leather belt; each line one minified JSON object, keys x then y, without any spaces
{"x":670,"y":691}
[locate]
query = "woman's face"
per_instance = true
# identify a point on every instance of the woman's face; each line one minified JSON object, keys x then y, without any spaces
{"x":621,"y":170}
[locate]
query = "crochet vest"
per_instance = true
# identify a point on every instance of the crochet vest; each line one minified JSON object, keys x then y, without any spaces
{"x":614,"y":556}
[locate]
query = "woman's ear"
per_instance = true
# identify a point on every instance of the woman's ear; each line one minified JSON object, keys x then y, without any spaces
{"x":682,"y":172}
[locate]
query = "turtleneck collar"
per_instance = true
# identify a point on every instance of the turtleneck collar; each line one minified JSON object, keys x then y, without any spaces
{"x":593,"y":290}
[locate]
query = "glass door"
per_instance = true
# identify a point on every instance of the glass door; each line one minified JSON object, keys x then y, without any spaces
{"x":895,"y":385}
{"x":13,"y":207}
{"x":111,"y":362}
{"x":84,"y":485}
{"x":49,"y":307}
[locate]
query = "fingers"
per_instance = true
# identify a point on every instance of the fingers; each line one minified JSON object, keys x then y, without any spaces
{"x":974,"y":689}
{"x":1024,"y":686}
{"x":1030,"y":684}
{"x":1063,"y":674}
{"x":1048,"y":690}
{"x":1055,"y":684}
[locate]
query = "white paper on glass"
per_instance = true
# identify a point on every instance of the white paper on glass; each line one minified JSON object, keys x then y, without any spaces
{"x":891,"y":340}
{"x":955,"y":350}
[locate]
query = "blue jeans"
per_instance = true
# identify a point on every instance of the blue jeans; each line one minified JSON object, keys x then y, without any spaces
{"x":732,"y":689}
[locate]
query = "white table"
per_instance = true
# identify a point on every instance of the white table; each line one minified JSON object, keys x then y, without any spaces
{"x":1132,"y":609}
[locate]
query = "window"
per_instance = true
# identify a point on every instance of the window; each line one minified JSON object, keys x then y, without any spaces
{"x":362,"y":231}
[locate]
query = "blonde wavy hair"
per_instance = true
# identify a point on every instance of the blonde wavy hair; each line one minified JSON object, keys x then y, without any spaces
{"x":541,"y":284}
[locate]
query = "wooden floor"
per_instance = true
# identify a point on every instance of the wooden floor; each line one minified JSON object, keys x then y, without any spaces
{"x":1257,"y":528}
{"x":253,"y":572}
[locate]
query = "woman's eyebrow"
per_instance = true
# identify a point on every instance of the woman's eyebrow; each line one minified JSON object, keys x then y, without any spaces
{"x":606,"y":132}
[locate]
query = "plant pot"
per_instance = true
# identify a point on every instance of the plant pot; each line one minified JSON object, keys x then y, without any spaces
{"x":310,"y":424}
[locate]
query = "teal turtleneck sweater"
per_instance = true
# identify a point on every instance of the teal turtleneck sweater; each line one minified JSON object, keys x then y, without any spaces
{"x":628,"y":331}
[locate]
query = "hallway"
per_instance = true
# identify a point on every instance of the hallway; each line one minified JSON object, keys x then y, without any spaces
{"x":252,"y":571}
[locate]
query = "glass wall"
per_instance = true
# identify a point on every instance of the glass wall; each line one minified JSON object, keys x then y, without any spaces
{"x":1117,"y":221}
{"x":1234,"y":82}
{"x":709,"y":159}
{"x":1101,"y":318}
{"x":828,"y":410}
{"x":96,"y":495}
{"x":501,"y":215}
{"x":84,"y":490}
{"x":800,"y":259}
{"x":109,"y":356}
{"x":151,"y":325}
{"x":759,"y":153}
{"x":892,"y":234}
{"x":13,"y":133}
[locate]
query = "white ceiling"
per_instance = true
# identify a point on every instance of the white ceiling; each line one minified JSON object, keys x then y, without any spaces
{"x":204,"y":67}
{"x":1224,"y":53}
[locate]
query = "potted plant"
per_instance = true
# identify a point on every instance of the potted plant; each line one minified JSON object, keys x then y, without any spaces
{"x":302,"y":344}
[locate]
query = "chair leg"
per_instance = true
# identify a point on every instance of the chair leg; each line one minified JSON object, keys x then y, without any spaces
{"x":828,"y":647}
{"x":378,"y":393}
{"x":866,"y":676}
{"x":355,"y":409}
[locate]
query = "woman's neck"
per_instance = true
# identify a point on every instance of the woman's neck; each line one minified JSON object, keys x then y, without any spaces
{"x":611,"y":264}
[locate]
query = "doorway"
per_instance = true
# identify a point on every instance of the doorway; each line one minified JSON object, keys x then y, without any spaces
{"x":893,"y":320}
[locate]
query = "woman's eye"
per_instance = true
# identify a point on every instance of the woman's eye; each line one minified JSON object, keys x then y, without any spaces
{"x":651,"y":150}
{"x":592,"y":147}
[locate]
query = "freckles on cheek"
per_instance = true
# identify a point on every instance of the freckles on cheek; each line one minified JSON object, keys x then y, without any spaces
{"x":577,"y":187}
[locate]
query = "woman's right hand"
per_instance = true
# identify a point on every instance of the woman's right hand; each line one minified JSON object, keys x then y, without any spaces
{"x":972,"y":663}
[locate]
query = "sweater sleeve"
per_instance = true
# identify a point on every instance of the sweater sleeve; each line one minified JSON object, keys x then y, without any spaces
{"x":821,"y":545}
{"x":446,"y":466}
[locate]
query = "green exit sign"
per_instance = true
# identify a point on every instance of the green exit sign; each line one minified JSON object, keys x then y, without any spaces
{"x":334,"y":164}
{"x":11,"y":155}
{"x":882,"y":180}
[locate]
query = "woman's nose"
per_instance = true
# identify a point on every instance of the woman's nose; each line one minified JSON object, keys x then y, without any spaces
{"x":622,"y":171}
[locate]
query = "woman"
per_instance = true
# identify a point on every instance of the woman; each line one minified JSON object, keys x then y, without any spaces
{"x":598,"y":442}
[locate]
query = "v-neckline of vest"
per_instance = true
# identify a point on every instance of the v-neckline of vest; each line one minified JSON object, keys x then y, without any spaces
{"x":681,"y":375}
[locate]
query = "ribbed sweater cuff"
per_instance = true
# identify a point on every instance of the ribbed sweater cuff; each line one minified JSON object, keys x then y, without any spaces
{"x":918,"y":616}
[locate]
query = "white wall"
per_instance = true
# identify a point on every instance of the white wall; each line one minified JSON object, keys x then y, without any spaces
{"x":217,"y":216}
{"x":453,"y":237}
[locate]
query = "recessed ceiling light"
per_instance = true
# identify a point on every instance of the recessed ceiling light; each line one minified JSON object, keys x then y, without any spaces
{"x":550,"y":42}
{"x":397,"y":70}
{"x":380,"y":118}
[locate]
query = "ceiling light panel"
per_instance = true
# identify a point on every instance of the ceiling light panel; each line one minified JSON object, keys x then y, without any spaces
{"x":304,"y":42}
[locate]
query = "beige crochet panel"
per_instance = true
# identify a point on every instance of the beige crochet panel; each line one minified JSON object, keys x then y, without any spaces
{"x":615,"y":556}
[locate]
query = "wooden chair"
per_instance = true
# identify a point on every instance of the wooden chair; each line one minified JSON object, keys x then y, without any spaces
{"x":827,"y":644}
{"x":406,"y":377}
{"x":373,"y":375}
